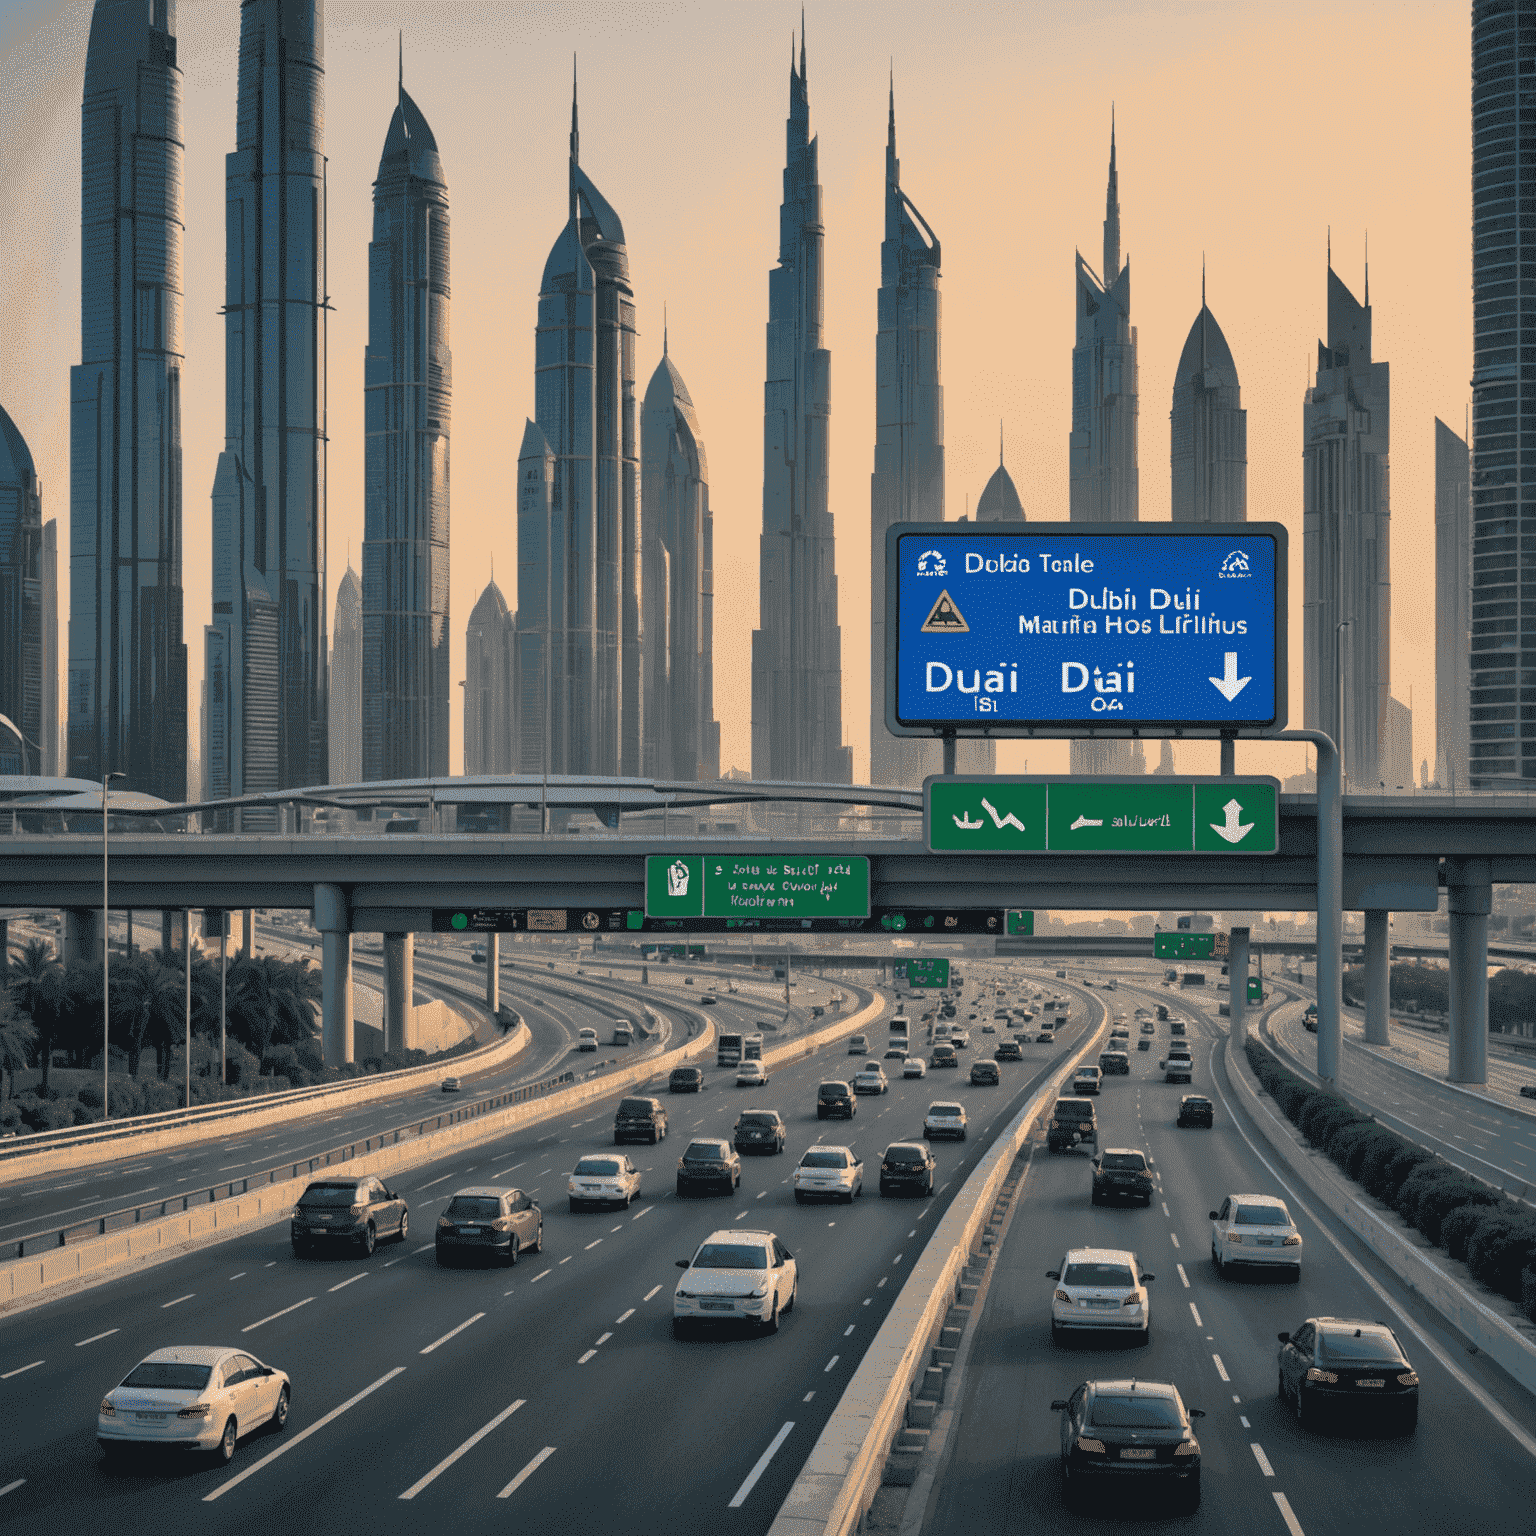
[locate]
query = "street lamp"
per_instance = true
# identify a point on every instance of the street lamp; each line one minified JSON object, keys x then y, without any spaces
{"x":106,"y":945}
{"x":1338,"y":694}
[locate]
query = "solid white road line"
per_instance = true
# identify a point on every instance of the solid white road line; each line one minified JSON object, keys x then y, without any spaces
{"x":451,"y":1333}
{"x":271,"y":1316}
{"x":95,"y":1336}
{"x":1261,"y":1458}
{"x":20,"y":1369}
{"x":178,"y":1301}
{"x":470,"y":1444}
{"x":527,"y":1472}
{"x":761,"y":1467}
{"x":11,"y":1487}
{"x":1292,"y":1524}
{"x":1196,"y":1311}
{"x":300,"y":1437}
{"x":1221,"y":1370}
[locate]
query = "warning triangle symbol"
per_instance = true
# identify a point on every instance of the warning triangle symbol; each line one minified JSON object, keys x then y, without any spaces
{"x":945,"y":619}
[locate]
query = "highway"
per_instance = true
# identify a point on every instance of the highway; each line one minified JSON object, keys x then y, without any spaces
{"x":1215,"y":1339}
{"x":406,"y":1376}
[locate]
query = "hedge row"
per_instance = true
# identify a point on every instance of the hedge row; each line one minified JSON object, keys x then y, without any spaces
{"x":1473,"y":1222}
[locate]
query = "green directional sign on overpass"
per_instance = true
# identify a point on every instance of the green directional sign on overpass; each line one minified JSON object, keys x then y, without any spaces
{"x":1189,"y":946}
{"x":927,"y":973}
{"x":762,"y":885}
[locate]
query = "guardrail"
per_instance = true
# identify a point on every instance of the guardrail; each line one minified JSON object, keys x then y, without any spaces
{"x":107,"y":1221}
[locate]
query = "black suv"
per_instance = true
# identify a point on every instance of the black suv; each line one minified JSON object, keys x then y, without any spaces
{"x":1196,"y":1109}
{"x":907,"y":1168}
{"x":358,"y":1211}
{"x":1008,"y":1050}
{"x":759,"y":1130}
{"x":1121,"y":1173}
{"x":685,"y":1080}
{"x":708,"y":1163}
{"x":985,"y":1074}
{"x":1113,"y":1061}
{"x":1072,"y":1121}
{"x":639,"y":1120}
{"x":836,"y":1101}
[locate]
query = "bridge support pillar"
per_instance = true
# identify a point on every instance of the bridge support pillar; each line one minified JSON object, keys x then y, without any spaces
{"x":333,"y":917}
{"x":493,"y":971}
{"x":399,"y":990}
{"x":81,"y":936}
{"x":1378,"y":977}
{"x":1237,"y":980}
{"x":1470,"y":885}
{"x":248,"y":934}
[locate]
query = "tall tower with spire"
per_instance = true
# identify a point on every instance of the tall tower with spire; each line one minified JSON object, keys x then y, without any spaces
{"x":346,"y":682}
{"x":579,"y":565}
{"x":407,"y":399}
{"x":1209,"y":428}
{"x":797,"y":677}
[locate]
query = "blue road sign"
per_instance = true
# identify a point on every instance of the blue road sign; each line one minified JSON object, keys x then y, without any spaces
{"x":998,"y":629}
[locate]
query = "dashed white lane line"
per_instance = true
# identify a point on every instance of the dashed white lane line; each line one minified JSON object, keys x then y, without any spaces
{"x":273,"y":1316}
{"x":453,"y":1456}
{"x":593,"y":1244}
{"x":300,"y":1437}
{"x":1173,"y":1237}
{"x":1242,"y":1419}
{"x":827,"y":1367}
{"x":808,"y":1396}
{"x":601,"y":1340}
{"x":761,"y":1193}
{"x":1195,"y":1311}
{"x":540,"y":1276}
{"x":1182,"y":1275}
{"x":589,"y":1354}
{"x":527,"y":1472}
{"x":848,"y":1330}
{"x":345,"y":1283}
{"x":178,"y":1301}
{"x":1292,"y":1524}
{"x":646,"y":1212}
{"x":80,"y":1344}
{"x":650,"y":1293}
{"x":12,"y":1487}
{"x":240,"y":1276}
{"x":741,"y":1493}
{"x":425,"y":1248}
{"x":1221,"y":1370}
{"x":452,"y":1332}
{"x":897,"y":1259}
{"x":431,"y":1182}
{"x":879,"y":1284}
{"x":6,"y":1376}
{"x":1166,"y":1211}
{"x":623,"y":1317}
{"x":566,"y":1260}
{"x":1261,"y":1458}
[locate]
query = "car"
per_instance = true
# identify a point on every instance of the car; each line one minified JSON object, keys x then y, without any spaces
{"x":914,"y":1066}
{"x":1143,"y":1044}
{"x":586,"y":1039}
{"x":603,"y":1179}
{"x":1120,"y":1032}
{"x":1528,"y":1090}
{"x":759,"y":1130}
{"x":488,"y":1219}
{"x":709,"y":1163}
{"x":907,"y":1168}
{"x":1256,"y":1231}
{"x":477,"y":955}
{"x":871,"y":1080}
{"x":943,"y":1055}
{"x":639,"y":1119}
{"x":834,"y":1100}
{"x":1342,"y":1367}
{"x":960,"y":1039}
{"x":451,"y":1085}
{"x":735,"y":1276}
{"x":751,"y":1074}
{"x":1008,"y":1050}
{"x":989,"y":1029}
{"x":1072,"y":1120}
{"x":1087,"y":1080}
{"x":685,"y":1080}
{"x":192,"y":1397}
{"x":817,"y":1011}
{"x":1121,"y":1173}
{"x":1101,"y":1290}
{"x":895,"y":1053}
{"x":1002,"y":1013}
{"x":687,"y":980}
{"x":984,"y":1074}
{"x":1177,"y":1069}
{"x":358,"y":1211}
{"x":1046,"y":1037}
{"x":944,"y":1118}
{"x":1196,"y":1109}
{"x":1180,"y":1048}
{"x":708,"y":1000}
{"x":1148,"y":1027}
{"x":1132,"y":1434}
{"x":623,"y":1032}
{"x":1113,"y":1063}
{"x":836,"y":1173}
{"x":858,"y":1045}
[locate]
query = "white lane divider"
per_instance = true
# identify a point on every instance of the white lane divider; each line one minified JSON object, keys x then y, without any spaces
{"x":1196,"y":1313}
{"x":178,"y":1301}
{"x":740,"y":1496}
{"x":452,"y":1333}
{"x":20,"y":1369}
{"x":1182,"y":1275}
{"x":431,"y":1182}
{"x":593,"y":1244}
{"x":1261,"y":1458}
{"x":300,"y":1437}
{"x":1292,"y":1524}
{"x":240,"y":1276}
{"x":527,"y":1472}
{"x":848,"y":1330}
{"x":361,"y":1274}
{"x":1173,"y":1237}
{"x":97,"y":1337}
{"x":650,"y":1293}
{"x":12,"y":1487}
{"x":469,"y":1445}
{"x":623,"y":1317}
{"x":830,"y":1363}
{"x":1242,"y":1419}
{"x":1166,"y":1211}
{"x":1221,"y":1370}
{"x":273,"y":1316}
{"x":646,"y":1212}
{"x":589,"y":1354}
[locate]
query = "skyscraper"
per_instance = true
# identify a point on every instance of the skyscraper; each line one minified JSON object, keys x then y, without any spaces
{"x":408,"y":385}
{"x":1453,"y":606}
{"x":682,"y":736}
{"x":1502,"y":665}
{"x":1209,"y":428}
{"x":1346,"y":538}
{"x":579,"y":574}
{"x":48,"y":578}
{"x":999,"y":500}
{"x":490,"y":686}
{"x":266,"y":647}
{"x":1395,"y":766}
{"x":797,"y":676}
{"x":23,"y":664}
{"x":345,"y":692}
{"x":127,"y":656}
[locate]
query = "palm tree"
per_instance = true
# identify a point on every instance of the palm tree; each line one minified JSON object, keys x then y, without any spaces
{"x":147,"y":1003}
{"x":36,"y":982}
{"x":17,"y":1039}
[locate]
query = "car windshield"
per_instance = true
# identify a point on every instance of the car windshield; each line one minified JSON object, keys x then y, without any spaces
{"x":759,"y":1117}
{"x":170,"y":1375}
{"x":815,"y":1159}
{"x":731,"y":1256}
{"x":479,"y":1207}
{"x":635,"y":1107}
{"x":705,"y":1152}
{"x":1260,"y":1216}
{"x":945,"y":1109}
{"x":331,"y":1194}
{"x":1136,"y":1413}
{"x":685,"y":1074}
{"x":1197,"y":1103}
{"x":1124,"y":1160}
{"x":1098,"y":1272}
{"x":903,"y":1154}
{"x":1372,"y":1344}
{"x":833,"y":1091}
{"x":599,"y":1167}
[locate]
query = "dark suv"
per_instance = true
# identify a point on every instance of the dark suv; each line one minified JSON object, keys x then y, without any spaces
{"x":1196,"y":1109}
{"x":759,"y":1130}
{"x":686,"y":1080}
{"x":907,"y":1168}
{"x":1072,"y":1121}
{"x":836,"y":1101}
{"x":710,"y":1164}
{"x":488,"y":1221}
{"x":1121,"y":1173}
{"x":359,"y":1211}
{"x":639,"y":1120}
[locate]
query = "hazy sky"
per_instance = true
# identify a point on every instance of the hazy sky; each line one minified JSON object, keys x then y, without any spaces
{"x":1245,"y":131}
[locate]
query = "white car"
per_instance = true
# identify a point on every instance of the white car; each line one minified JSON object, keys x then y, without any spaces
{"x":833,"y":1173}
{"x":606,"y":1178}
{"x":871,"y":1079}
{"x":1101,"y":1289}
{"x":192,"y":1397}
{"x":735,"y":1276}
{"x":1257,"y":1230}
{"x":751,"y":1074}
{"x":914,"y":1066}
{"x":858,"y":1045}
{"x":586,"y":1040}
{"x":945,"y":1118}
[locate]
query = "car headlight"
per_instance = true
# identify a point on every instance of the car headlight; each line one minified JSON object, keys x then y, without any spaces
{"x":1314,"y":1374}
{"x":195,"y":1411}
{"x":1408,"y":1379}
{"x":108,"y":1409}
{"x":1293,"y":1241}
{"x":759,"y":1294}
{"x":1187,"y":1448}
{"x":1094,"y":1447}
{"x":684,"y":1295}
{"x":1234,"y":1237}
{"x":1061,"y":1296}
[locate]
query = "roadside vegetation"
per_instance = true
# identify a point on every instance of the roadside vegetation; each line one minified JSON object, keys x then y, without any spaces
{"x":1426,"y":988}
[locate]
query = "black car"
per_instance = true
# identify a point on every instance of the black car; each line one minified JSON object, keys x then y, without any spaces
{"x":1345,"y":1368}
{"x":1072,"y":1121}
{"x":907,"y":1168}
{"x":1143,"y":1044}
{"x":944,"y":1055}
{"x":708,"y":1164}
{"x":1008,"y":1050}
{"x":834,"y":1101}
{"x":487,"y":1221}
{"x":1196,"y":1109}
{"x":984,"y":1074}
{"x":1111,"y":1062}
{"x":759,"y":1130}
{"x":358,"y":1211}
{"x":1137,"y":1434}
{"x":1528,"y":1090}
{"x":639,"y":1120}
{"x":686,"y":1080}
{"x":1121,"y":1173}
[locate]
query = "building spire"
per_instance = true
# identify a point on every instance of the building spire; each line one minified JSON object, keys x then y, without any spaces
{"x":575,"y":148}
{"x":1367,"y":269}
{"x":1202,"y":312}
{"x":802,"y":45}
{"x":402,"y":67}
{"x":1112,"y":212}
{"x":999,"y":442}
{"x":663,"y":327}
{"x":890,"y":131}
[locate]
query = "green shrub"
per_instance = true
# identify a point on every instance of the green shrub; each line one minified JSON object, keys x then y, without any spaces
{"x":1457,"y":1228}
{"x":1398,"y":1169}
{"x":1323,"y":1116}
{"x":80,"y":1114}
{"x":1433,"y":1190}
{"x":1528,"y":1293}
{"x":1292,"y":1098}
{"x":44,"y":1114}
{"x":1344,"y":1139}
{"x":1501,"y":1246}
{"x":1379,"y":1156}
{"x":1377,"y":1137}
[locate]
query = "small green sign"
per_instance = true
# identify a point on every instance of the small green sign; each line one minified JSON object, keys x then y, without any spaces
{"x":986,"y":816}
{"x":1183,"y":946}
{"x":1255,"y":990}
{"x":1099,"y":816}
{"x":928,"y":973}
{"x":756,"y":885}
{"x":1020,"y":924}
{"x":1236,"y":816}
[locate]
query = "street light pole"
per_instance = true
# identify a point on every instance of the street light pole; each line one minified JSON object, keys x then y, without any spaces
{"x":186,"y":944}
{"x":106,"y":945}
{"x":1338,"y":690}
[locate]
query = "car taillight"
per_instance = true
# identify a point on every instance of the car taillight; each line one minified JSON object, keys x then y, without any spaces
{"x":1314,"y":1374}
{"x":1131,"y":1301}
{"x":1094,"y":1447}
{"x":1408,"y":1379}
{"x":195,"y":1411}
{"x":1187,"y":1448}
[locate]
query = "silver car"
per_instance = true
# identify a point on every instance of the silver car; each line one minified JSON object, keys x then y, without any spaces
{"x":829,"y":1173}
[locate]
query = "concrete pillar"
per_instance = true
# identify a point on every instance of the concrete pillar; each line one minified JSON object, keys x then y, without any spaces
{"x":399,"y":990}
{"x":493,"y":971}
{"x":1471,"y":899}
{"x":166,"y":917}
{"x":82,"y":936}
{"x":333,"y":918}
{"x":248,"y":934}
{"x":1378,"y":977}
{"x":1237,"y":979}
{"x":5,"y":944}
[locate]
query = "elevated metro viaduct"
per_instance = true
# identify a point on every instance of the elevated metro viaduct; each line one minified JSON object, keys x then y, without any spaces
{"x":1398,"y":852}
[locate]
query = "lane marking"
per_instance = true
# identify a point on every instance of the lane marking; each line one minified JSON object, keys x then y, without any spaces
{"x":589,"y":1354}
{"x":1182,"y":1275}
{"x":1166,"y":1211}
{"x":830,"y":1363}
{"x":566,"y":1260}
{"x":300,"y":1437}
{"x":273,"y":1316}
{"x":1292,"y":1524}
{"x":22,"y":1368}
{"x":468,"y":1321}
{"x":1196,"y":1311}
{"x":527,"y":1472}
{"x":426,"y":1249}
{"x":1261,"y":1458}
{"x":897,"y":1259}
{"x":453,"y":1456}
{"x":178,"y":1301}
{"x":428,"y":1185}
{"x":12,"y":1487}
{"x":602,"y":1339}
{"x":1242,"y":1419}
{"x":848,"y":1330}
{"x":240,"y":1276}
{"x":1173,"y":1237}
{"x":761,"y":1467}
{"x":646,"y":1212}
{"x":1221,"y":1370}
{"x":345,"y":1283}
{"x":881,"y":1281}
{"x":96,"y":1336}
{"x":808,"y":1396}
{"x":590,"y":1246}
{"x":540,"y":1276}
{"x":650,"y":1293}
{"x":623,"y":1317}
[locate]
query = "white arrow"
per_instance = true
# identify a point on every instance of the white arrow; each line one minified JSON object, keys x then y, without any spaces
{"x":1231,"y":685}
{"x":1233,"y":831}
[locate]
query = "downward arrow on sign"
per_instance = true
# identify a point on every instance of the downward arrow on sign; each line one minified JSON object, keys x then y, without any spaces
{"x":1233,"y":831}
{"x":1231,"y":684}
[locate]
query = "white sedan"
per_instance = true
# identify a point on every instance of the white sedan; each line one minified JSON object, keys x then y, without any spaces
{"x":1256,"y":1230}
{"x":833,"y":1173}
{"x":871,"y":1080}
{"x":194,"y":1398}
{"x":751,"y":1074}
{"x":608,"y":1178}
{"x":735,"y":1276}
{"x":945,"y":1118}
{"x":914,"y":1066}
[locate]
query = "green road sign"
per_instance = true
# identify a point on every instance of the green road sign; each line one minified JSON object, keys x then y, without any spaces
{"x":760,"y":885}
{"x":1189,"y":946}
{"x":1255,"y":990}
{"x":927,"y":973}
{"x":1020,"y":924}
{"x":975,"y":814}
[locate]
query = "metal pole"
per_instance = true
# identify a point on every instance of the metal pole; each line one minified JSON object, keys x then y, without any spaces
{"x":1228,"y":756}
{"x":1237,"y":985}
{"x":949,"y":751}
{"x":106,"y":944}
{"x":223,"y":977}
{"x":186,"y":940}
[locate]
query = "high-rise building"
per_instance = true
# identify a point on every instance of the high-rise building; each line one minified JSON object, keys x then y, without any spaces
{"x":345,"y":692}
{"x":48,"y":577}
{"x":266,"y":647}
{"x":1346,"y":538}
{"x":682,"y":736}
{"x":999,"y":500}
{"x":23,"y":663}
{"x":127,"y":656}
{"x":408,"y":386}
{"x":490,"y":686}
{"x":1502,"y":664}
{"x":1209,"y":428}
{"x":797,"y":648}
{"x":579,"y":576}
{"x":1453,"y":606}
{"x":1395,"y":769}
